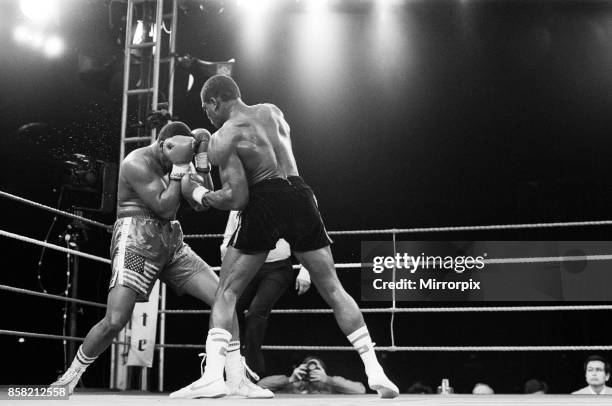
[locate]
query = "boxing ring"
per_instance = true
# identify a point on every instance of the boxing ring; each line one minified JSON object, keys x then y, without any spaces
{"x":92,"y":398}
{"x":131,"y":399}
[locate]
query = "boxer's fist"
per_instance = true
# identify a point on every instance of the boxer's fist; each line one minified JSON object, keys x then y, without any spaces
{"x":191,"y":183}
{"x":202,"y":137}
{"x":179,"y":149}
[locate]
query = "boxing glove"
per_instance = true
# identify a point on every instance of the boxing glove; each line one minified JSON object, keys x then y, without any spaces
{"x":202,"y":137}
{"x":179,"y":150}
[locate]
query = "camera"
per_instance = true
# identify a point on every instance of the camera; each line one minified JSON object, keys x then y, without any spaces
{"x":92,"y":181}
{"x":310,"y":366}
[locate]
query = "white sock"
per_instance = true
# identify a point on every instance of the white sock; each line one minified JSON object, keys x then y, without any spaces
{"x":362,"y":342}
{"x":233,"y":361}
{"x":81,"y":361}
{"x":216,"y":349}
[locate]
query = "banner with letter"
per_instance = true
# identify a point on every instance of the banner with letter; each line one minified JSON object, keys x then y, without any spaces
{"x":144,"y":329}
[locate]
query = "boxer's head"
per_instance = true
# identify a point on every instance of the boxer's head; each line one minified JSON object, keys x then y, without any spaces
{"x":217,"y":96}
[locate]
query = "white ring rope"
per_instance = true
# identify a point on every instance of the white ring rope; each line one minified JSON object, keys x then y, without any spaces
{"x":50,"y":296}
{"x":391,"y":310}
{"x":518,"y":260}
{"x":500,"y":348}
{"x":48,"y":336}
{"x":54,"y":210}
{"x":423,"y":309}
{"x":355,"y":265}
{"x":532,"y":260}
{"x":448,"y":229}
{"x":53,"y":246}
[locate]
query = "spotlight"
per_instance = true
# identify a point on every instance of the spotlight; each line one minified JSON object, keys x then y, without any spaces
{"x":316,"y":6}
{"x":40,"y":11}
{"x":53,"y":47}
{"x":20,"y":34}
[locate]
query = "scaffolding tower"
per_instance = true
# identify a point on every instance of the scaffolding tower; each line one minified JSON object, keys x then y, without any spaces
{"x":150,"y":31}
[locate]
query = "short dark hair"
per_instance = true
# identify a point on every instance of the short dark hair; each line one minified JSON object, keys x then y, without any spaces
{"x":535,"y":385}
{"x":419,"y":388}
{"x":313,"y":358}
{"x":220,"y":86}
{"x":597,"y":358}
{"x":172,"y":129}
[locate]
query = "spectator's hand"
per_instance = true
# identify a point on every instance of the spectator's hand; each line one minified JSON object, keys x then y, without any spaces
{"x":318,"y":375}
{"x":302,"y":282}
{"x":298,"y":373}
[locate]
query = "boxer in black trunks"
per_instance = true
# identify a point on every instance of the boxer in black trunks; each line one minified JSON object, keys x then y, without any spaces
{"x":147,"y":243}
{"x":252,"y":149}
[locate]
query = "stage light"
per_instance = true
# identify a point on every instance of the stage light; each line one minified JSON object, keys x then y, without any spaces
{"x":53,"y":47}
{"x":390,"y":38}
{"x":255,"y":24}
{"x":40,"y":11}
{"x":20,"y":34}
{"x":319,"y":54}
{"x":27,"y":36}
{"x":316,"y":6}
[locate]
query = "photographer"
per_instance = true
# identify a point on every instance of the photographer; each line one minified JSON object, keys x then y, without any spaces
{"x":310,"y":377}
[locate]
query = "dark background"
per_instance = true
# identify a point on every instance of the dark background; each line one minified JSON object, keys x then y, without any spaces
{"x":483,"y":112}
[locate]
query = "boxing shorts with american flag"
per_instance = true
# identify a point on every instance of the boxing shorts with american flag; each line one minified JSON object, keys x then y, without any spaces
{"x":145,"y":248}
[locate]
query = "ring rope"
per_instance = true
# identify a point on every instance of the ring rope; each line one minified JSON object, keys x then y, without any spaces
{"x":500,"y":348}
{"x":49,"y":336}
{"x":532,"y":260}
{"x":349,"y":265}
{"x":53,"y":246}
{"x":448,"y":229}
{"x":54,"y":210}
{"x":422,"y":309}
{"x":50,"y":296}
{"x":342,"y":348}
{"x":517,"y":260}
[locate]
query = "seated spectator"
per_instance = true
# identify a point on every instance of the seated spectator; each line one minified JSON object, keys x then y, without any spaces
{"x":310,"y":377}
{"x":535,"y":387}
{"x":482,"y":389}
{"x":419,"y":388}
{"x":597,"y":373}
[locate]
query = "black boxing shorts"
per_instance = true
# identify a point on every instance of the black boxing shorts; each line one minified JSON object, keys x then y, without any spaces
{"x":280,"y":208}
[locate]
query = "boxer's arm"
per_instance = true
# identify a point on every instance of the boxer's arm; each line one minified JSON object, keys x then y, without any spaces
{"x":193,"y":180}
{"x":234,"y":194}
{"x":151,"y":189}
